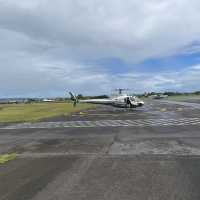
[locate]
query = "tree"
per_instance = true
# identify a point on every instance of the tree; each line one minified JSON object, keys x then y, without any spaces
{"x":80,"y":96}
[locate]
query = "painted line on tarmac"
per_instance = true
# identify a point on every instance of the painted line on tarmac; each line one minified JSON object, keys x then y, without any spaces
{"x":102,"y":114}
{"x":108,"y":155}
{"x":51,"y":154}
{"x":107,"y":123}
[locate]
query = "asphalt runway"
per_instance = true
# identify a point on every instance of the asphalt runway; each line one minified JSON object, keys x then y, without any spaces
{"x":152,"y":152}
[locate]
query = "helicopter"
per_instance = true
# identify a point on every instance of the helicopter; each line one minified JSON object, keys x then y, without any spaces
{"x":119,"y":100}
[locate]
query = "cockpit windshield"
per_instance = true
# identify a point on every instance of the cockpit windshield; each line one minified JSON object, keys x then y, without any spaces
{"x":134,"y":98}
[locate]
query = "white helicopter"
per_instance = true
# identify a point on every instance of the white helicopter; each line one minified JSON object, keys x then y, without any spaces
{"x":120,"y":100}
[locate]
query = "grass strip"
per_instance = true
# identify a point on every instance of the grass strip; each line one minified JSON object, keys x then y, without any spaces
{"x":37,"y":111}
{"x":7,"y":157}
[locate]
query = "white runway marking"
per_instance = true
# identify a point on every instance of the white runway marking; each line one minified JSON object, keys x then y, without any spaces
{"x":102,"y":114}
{"x":108,"y":123}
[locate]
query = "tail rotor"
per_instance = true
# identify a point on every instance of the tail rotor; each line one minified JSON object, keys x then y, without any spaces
{"x":73,"y":98}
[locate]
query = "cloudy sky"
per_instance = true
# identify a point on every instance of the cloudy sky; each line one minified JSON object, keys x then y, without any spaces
{"x":93,"y":46}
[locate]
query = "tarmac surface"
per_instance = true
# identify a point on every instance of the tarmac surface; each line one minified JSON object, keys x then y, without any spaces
{"x":148,"y":153}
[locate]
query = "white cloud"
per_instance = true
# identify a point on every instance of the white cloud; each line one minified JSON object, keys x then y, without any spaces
{"x":134,"y":30}
{"x":45,"y":45}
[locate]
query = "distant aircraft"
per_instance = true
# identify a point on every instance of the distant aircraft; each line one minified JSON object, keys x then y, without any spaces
{"x":120,"y":100}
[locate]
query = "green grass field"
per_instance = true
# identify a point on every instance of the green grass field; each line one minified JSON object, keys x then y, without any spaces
{"x":37,"y":111}
{"x":184,"y":97}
